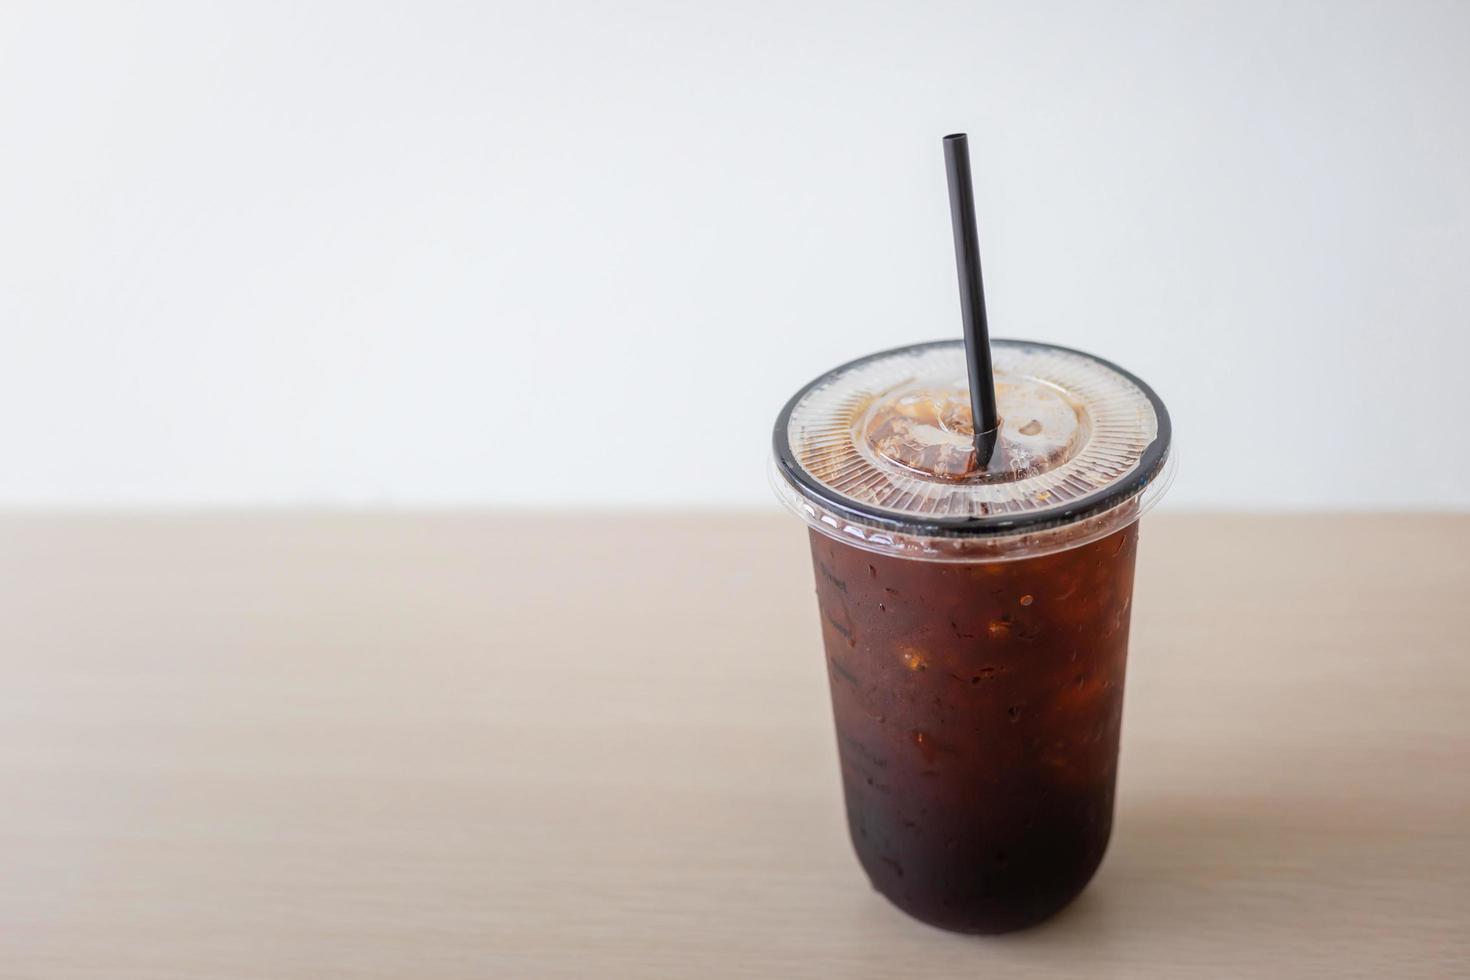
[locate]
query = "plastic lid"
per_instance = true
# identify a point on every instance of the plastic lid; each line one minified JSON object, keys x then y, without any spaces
{"x":879,"y":452}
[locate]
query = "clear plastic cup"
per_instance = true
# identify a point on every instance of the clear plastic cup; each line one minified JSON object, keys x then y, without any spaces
{"x":975,"y":622}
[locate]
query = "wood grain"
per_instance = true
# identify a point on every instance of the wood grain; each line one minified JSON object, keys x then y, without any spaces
{"x":523,"y":746}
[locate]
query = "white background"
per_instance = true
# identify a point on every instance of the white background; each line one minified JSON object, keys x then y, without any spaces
{"x":579,"y":254}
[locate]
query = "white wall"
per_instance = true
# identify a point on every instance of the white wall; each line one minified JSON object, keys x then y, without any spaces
{"x":579,"y":253}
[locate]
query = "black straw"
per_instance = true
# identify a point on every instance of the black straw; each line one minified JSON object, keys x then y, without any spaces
{"x":972,"y":296}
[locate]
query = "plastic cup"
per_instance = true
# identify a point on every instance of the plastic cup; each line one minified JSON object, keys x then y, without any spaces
{"x":975,"y":623}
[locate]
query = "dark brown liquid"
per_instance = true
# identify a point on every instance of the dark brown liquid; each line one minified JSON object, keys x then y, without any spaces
{"x":978,"y":709}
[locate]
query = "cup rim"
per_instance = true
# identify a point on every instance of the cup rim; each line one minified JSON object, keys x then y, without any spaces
{"x":1150,"y":464}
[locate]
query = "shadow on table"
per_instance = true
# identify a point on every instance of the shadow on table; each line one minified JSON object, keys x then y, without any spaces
{"x":1174,"y":865}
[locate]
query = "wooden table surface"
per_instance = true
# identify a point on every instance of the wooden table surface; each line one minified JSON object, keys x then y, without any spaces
{"x":526,"y":746}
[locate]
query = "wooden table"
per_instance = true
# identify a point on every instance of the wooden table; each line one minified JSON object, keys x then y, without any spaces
{"x":497,"y":746}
